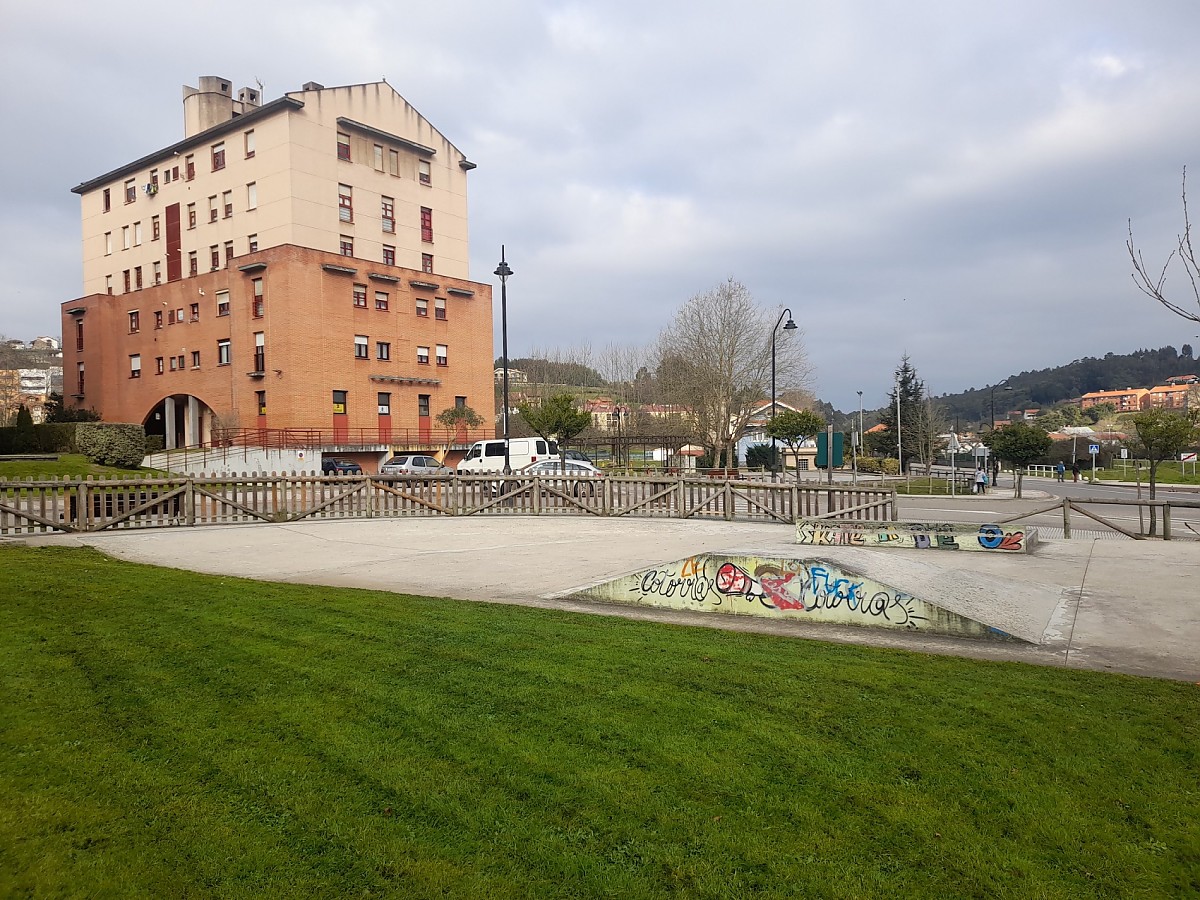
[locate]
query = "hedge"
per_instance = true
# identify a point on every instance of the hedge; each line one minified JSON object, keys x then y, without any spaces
{"x":49,"y":437}
{"x":112,"y":443}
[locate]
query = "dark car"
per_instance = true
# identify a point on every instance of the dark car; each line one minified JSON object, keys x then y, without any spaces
{"x":331,"y":466}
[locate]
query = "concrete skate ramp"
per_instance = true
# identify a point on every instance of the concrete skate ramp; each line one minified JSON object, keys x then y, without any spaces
{"x":873,"y":590}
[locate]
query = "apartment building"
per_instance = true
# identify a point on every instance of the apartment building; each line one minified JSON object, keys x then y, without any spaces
{"x":295,"y":266}
{"x":1128,"y":400}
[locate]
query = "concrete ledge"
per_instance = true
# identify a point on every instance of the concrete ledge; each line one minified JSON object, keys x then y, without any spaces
{"x":916,"y":535}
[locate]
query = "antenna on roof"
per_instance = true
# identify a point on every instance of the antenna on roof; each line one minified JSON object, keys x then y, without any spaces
{"x":260,"y":86}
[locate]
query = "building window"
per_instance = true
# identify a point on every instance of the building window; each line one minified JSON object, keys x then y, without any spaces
{"x":345,"y":203}
{"x":108,"y":243}
{"x":248,"y":139}
{"x":423,"y":171}
{"x":388,"y":214}
{"x":130,"y":191}
{"x":222,"y":303}
{"x":154,"y":179}
{"x":79,"y":379}
{"x":260,"y":351}
{"x":227,"y":203}
{"x":158,"y":365}
{"x":260,"y":399}
{"x":157,"y":272}
{"x":212,"y":208}
{"x":134,"y":322}
{"x":343,"y":146}
{"x":389,"y":255}
{"x":383,"y":350}
{"x":107,"y":202}
{"x":360,"y":347}
{"x":394,"y":162}
{"x":214,"y":256}
{"x":195,"y":359}
{"x":423,"y":356}
{"x":125,"y":237}
{"x":385,"y":403}
{"x":423,"y":405}
{"x":378,"y":158}
{"x":460,"y":402}
{"x":381,"y":300}
{"x":347,"y":245}
{"x":252,"y":195}
{"x":426,"y":224}
{"x":339,"y":403}
{"x":427,"y":263}
{"x":174,"y":363}
{"x":158,"y":319}
{"x":128,"y":282}
{"x":252,"y":243}
{"x":191,"y":215}
{"x":155,"y":229}
{"x":442,"y":355}
{"x":259,"y":301}
{"x":422,"y":306}
{"x":223,"y":354}
{"x":193,"y":263}
{"x":360,"y":296}
{"x":439,"y":308}
{"x":218,"y":156}
{"x":135,"y":365}
{"x":228,"y":252}
{"x":108,"y":283}
{"x":195,"y":312}
{"x":137,"y":278}
{"x":190,"y":164}
{"x":137,"y":234}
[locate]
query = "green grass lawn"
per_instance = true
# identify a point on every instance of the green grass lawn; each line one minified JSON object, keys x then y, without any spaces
{"x":166,"y":734}
{"x":1169,"y":472}
{"x":73,"y":465}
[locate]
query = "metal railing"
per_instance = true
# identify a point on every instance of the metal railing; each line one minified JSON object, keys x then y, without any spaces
{"x":311,"y":438}
{"x":89,"y":505}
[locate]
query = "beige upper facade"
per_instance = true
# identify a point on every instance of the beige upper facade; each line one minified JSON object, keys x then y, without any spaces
{"x":352,"y":170}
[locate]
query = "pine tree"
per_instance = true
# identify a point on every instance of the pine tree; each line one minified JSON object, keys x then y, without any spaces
{"x":911,"y":390}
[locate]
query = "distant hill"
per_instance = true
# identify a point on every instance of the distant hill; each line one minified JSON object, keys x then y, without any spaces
{"x":1048,"y":387}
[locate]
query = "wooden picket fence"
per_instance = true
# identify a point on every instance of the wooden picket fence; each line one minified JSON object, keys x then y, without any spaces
{"x":91,"y":504}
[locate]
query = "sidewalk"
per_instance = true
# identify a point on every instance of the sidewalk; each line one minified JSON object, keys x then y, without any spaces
{"x":1126,"y":606}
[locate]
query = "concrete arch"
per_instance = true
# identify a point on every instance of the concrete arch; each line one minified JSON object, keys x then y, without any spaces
{"x":183,"y":420}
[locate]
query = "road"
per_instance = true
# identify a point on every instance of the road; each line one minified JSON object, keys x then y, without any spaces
{"x":1040,"y":492}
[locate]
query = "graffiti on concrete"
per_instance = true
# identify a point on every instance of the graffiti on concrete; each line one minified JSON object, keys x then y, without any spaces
{"x":803,"y":589}
{"x":915,"y":535}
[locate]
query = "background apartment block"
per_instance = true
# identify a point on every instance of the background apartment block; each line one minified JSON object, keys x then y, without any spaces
{"x":299,"y":265}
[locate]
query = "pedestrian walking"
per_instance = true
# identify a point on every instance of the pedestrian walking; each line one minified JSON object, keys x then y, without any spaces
{"x":1060,"y":470}
{"x":1075,"y":471}
{"x":981,"y":480}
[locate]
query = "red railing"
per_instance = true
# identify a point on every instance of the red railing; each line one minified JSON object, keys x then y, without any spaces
{"x":292,"y":438}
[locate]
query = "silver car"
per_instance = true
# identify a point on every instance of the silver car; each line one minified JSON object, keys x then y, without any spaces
{"x":580,"y":477}
{"x":413,"y":464}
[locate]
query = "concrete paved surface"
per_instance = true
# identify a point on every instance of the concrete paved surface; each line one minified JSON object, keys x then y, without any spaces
{"x":1129,"y":606}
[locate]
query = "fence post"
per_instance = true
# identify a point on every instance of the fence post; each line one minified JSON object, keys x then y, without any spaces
{"x":1066,"y":518}
{"x":189,"y":503}
{"x":727,"y":491}
{"x":1166,"y":521}
{"x":794,"y":496}
{"x":895,"y":507}
{"x":680,"y":498}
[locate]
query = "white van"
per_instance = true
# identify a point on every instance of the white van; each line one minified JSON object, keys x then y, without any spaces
{"x":486,"y":457}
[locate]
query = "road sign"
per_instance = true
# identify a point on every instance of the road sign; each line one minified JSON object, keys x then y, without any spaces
{"x":1124,"y":453}
{"x":1093,"y":449}
{"x":1188,"y":456}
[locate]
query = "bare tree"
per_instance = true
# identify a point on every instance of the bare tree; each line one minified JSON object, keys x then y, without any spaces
{"x":1153,"y":286}
{"x":715,"y":359}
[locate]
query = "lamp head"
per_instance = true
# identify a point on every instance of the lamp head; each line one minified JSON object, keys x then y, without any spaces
{"x":789,"y":325}
{"x":503,"y":270}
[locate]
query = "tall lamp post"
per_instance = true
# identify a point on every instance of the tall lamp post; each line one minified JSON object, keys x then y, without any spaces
{"x":861,"y":442}
{"x":993,"y":392}
{"x":790,"y":326}
{"x":503,"y":271}
{"x":899,"y":428}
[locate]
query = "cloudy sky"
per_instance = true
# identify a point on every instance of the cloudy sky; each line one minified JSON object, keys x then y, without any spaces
{"x":948,"y":179}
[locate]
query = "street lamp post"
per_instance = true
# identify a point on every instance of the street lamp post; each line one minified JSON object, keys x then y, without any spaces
{"x":790,"y":326}
{"x":996,"y":463}
{"x":860,"y":437}
{"x":899,"y":429}
{"x":503,"y":271}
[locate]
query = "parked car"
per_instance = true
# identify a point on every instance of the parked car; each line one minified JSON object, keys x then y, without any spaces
{"x":332,"y":466}
{"x":414,"y":464}
{"x":574,"y":476}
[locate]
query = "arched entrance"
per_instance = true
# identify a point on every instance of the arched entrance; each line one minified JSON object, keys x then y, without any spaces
{"x":182,"y":420}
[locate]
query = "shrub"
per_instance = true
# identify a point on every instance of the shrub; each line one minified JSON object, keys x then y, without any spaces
{"x":155,"y":443}
{"x":112,"y":443}
{"x":24,"y":441}
{"x":758,"y":456}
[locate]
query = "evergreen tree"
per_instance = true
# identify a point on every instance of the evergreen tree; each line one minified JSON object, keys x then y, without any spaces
{"x":911,"y":391}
